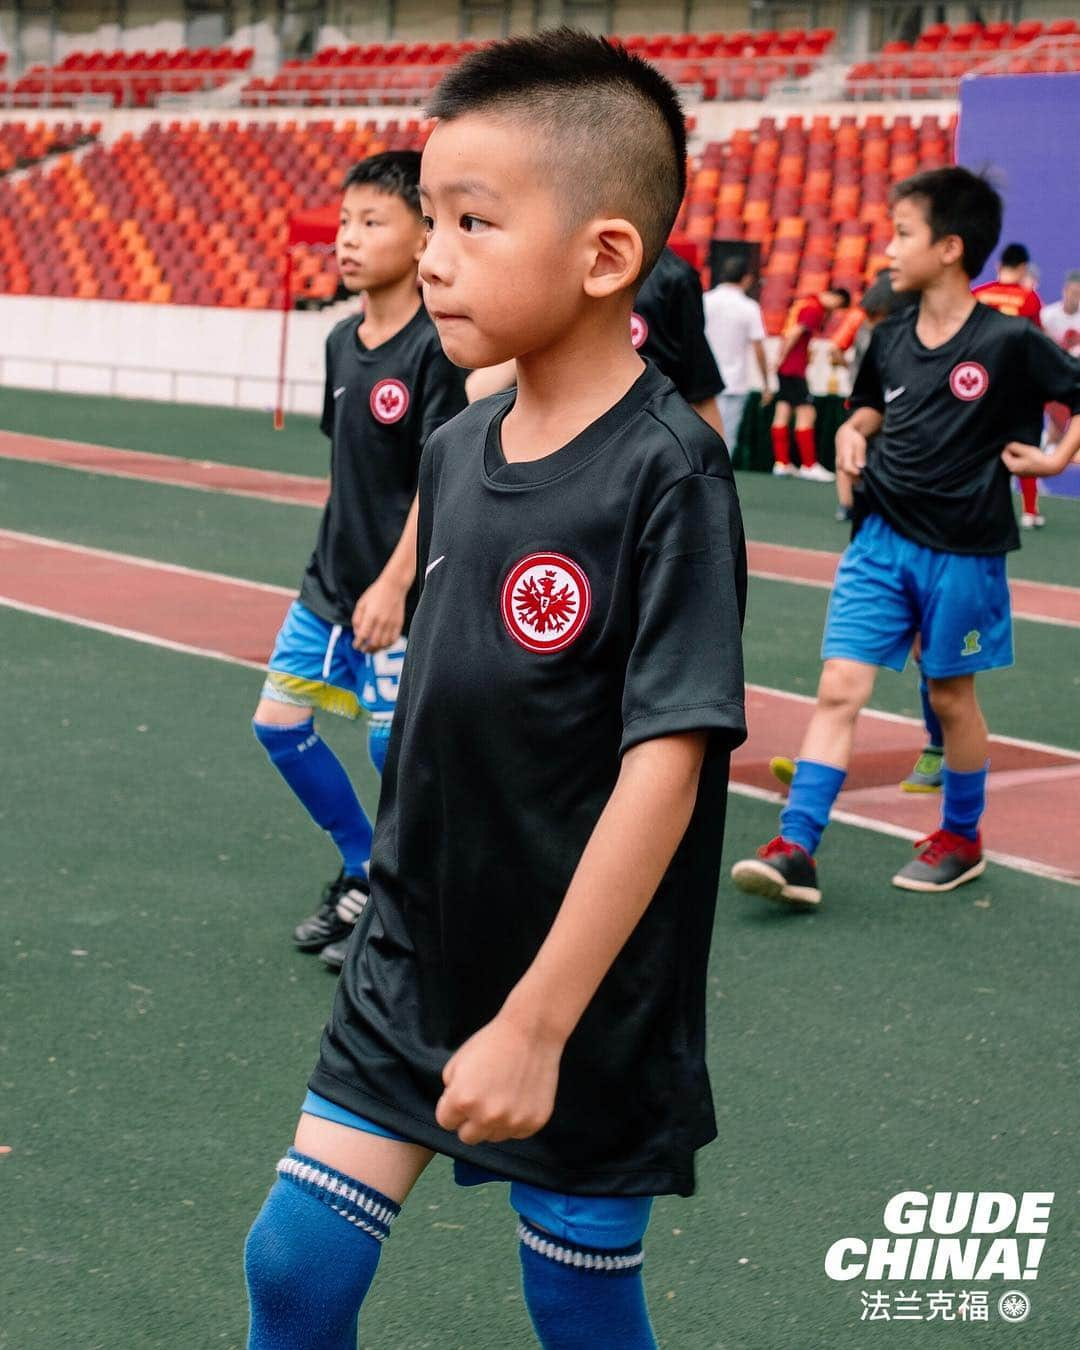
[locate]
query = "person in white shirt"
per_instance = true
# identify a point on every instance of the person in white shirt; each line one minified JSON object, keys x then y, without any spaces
{"x":1062,"y":319}
{"x":733,"y":326}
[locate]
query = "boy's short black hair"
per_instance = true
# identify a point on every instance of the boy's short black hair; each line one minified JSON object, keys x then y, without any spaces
{"x":735,"y":269}
{"x":609,"y":127}
{"x":958,"y":202}
{"x":395,"y":172}
{"x":843,"y":293}
{"x":1014,"y":255}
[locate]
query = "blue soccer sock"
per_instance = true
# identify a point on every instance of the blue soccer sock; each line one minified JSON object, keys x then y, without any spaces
{"x":934,"y":735}
{"x":583,"y":1298}
{"x":317,"y":777}
{"x":311,"y":1256}
{"x":813,"y":790}
{"x":964,"y":800}
{"x":379,"y":738}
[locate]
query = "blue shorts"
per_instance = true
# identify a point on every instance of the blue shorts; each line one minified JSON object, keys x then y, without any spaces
{"x":586,"y":1220}
{"x":888,"y":589}
{"x":315,"y":665}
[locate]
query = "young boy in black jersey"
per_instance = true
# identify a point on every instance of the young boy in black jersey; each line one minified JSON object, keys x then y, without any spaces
{"x":525,"y":991}
{"x":340,"y":649}
{"x":954,"y":393}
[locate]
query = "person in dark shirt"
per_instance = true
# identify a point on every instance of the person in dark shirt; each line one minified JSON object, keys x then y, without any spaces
{"x":340,"y":649}
{"x":668,"y":328}
{"x":525,"y":992}
{"x":954,"y":393}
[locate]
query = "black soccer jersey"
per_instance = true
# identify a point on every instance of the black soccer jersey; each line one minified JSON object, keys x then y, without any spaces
{"x":935,"y":472}
{"x":571,"y":608}
{"x":668,"y":328}
{"x":379,"y":408}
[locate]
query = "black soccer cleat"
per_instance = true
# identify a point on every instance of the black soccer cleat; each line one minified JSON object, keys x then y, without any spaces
{"x":343,"y":902}
{"x":781,"y":871}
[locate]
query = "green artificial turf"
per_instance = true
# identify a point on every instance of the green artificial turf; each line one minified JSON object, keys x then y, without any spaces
{"x":156,"y":1029}
{"x":192,"y":430}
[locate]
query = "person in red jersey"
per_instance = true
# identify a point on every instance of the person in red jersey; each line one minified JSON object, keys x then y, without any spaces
{"x":1012,"y":293}
{"x":807,"y":320}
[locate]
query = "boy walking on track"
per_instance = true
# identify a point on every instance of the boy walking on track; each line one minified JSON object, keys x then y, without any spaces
{"x":954,"y":392}
{"x":525,"y":992}
{"x":340,"y":649}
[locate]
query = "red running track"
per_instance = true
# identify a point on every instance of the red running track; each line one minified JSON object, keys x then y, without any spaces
{"x":237,"y":620}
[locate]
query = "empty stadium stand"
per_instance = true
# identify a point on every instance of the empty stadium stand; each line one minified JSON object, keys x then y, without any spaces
{"x":708,"y":66}
{"x":22,"y":145}
{"x":193,"y":213}
{"x":125,"y":79}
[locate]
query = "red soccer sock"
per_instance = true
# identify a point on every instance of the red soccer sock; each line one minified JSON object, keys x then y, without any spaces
{"x":781,"y":446}
{"x":1029,"y":491}
{"x":804,"y":439}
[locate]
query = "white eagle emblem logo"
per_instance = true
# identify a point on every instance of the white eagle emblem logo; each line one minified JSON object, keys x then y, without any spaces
{"x":545,"y":601}
{"x":389,"y":401}
{"x":969,"y":381}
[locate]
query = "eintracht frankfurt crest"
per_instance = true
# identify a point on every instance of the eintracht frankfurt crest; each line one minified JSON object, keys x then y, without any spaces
{"x":389,"y":401}
{"x":639,"y":330}
{"x":545,"y":602}
{"x":969,"y":381}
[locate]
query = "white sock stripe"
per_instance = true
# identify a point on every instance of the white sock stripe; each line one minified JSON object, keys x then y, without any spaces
{"x":573,"y":1256}
{"x":293,"y":1167}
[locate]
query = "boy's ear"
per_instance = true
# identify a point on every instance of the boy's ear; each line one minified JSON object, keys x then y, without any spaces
{"x":615,"y":257}
{"x":952,"y":249}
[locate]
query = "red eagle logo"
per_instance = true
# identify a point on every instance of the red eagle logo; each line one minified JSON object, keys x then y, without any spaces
{"x":969,"y":381}
{"x":545,"y":601}
{"x":389,"y":401}
{"x":541,"y":607}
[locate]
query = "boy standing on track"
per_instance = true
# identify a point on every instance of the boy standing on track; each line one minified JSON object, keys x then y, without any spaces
{"x":340,"y":649}
{"x":808,"y":320}
{"x":526,"y":992}
{"x":954,"y":392}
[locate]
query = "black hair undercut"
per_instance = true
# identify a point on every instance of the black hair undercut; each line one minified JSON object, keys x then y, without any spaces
{"x":957,"y":201}
{"x":608,"y":127}
{"x":395,"y":172}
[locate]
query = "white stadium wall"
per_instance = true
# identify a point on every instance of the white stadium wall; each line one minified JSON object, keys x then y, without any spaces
{"x":175,"y":353}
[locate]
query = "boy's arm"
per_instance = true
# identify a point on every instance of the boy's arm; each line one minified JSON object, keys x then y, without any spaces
{"x":867,"y":402}
{"x":787,"y":346}
{"x":1055,"y":376}
{"x":501,"y":1083}
{"x":379,"y":615}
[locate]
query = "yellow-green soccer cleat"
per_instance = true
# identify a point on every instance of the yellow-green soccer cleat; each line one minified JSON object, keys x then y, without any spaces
{"x":926,"y":775}
{"x":782,"y":769}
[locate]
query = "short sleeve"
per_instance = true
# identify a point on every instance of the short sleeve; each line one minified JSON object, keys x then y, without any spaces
{"x":755,"y":325}
{"x":326,"y":422}
{"x":867,"y":391}
{"x":685,"y":671}
{"x":810,"y":316}
{"x":699,"y":378}
{"x":443,"y":392}
{"x":1051,"y":370}
{"x":1032,"y":309}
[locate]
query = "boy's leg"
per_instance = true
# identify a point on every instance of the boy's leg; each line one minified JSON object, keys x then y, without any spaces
{"x":781,"y":444}
{"x":805,"y":439}
{"x":954,"y":853}
{"x":313,"y":1250}
{"x":378,"y":677}
{"x":784,"y":868}
{"x":308,"y":669}
{"x":1029,"y":493}
{"x":926,"y":774}
{"x":581,"y":1268}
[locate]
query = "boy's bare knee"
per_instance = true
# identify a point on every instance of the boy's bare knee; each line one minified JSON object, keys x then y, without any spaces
{"x":952,"y":699}
{"x":271,"y":713}
{"x":845,"y":687}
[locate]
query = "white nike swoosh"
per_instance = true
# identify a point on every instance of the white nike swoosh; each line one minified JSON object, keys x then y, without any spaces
{"x":338,"y":392}
{"x":890,"y":394}
{"x":432,"y":565}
